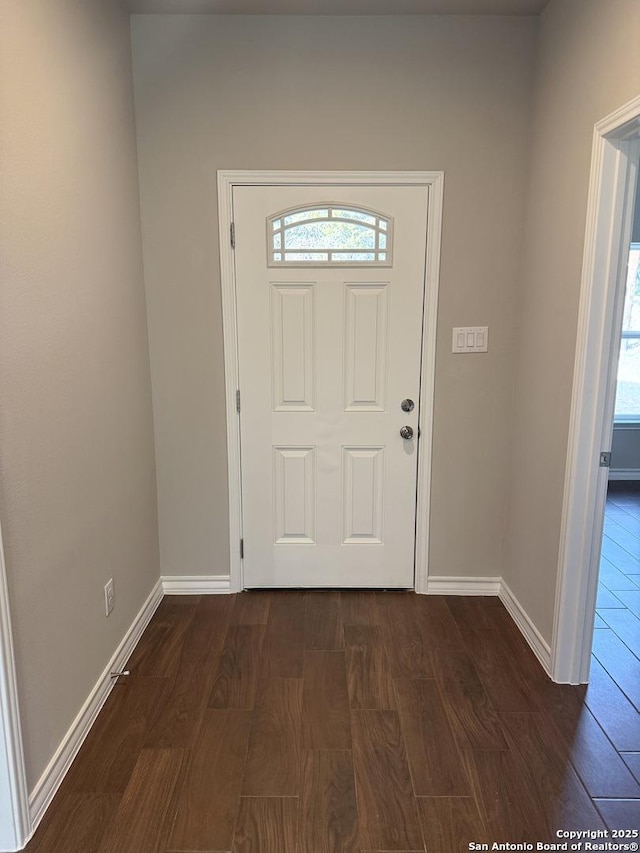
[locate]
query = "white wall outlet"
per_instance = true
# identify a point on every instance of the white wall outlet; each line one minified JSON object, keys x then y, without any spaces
{"x":470,"y":339}
{"x":109,"y":596}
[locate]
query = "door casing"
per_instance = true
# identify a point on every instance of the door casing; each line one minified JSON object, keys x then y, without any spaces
{"x":227,"y":180}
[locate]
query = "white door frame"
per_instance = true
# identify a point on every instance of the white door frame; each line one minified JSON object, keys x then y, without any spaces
{"x":227,"y":180}
{"x":15,"y":824}
{"x":616,"y":146}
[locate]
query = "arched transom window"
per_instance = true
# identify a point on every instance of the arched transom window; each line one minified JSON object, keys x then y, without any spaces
{"x":332,"y":234}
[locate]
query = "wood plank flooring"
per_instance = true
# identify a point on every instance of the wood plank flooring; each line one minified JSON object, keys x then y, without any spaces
{"x":613,"y":696}
{"x":329,"y":722}
{"x":616,"y":645}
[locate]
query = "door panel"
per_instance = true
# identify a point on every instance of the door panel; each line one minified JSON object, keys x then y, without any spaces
{"x":294,"y":495}
{"x":293,"y":361}
{"x":362,"y":498}
{"x":326,"y":355}
{"x":365,"y":356}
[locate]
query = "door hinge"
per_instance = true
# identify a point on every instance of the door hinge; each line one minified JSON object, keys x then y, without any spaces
{"x":242,"y":549}
{"x":232,"y":234}
{"x":605,"y":459}
{"x":238,"y":401}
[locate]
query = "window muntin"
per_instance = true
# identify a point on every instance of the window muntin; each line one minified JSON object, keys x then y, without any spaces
{"x":329,"y":234}
{"x":628,"y":383}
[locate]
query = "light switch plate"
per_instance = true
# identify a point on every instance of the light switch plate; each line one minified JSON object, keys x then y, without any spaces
{"x":470,"y":339}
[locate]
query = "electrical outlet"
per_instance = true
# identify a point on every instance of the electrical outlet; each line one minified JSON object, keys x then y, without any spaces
{"x":109,"y":596}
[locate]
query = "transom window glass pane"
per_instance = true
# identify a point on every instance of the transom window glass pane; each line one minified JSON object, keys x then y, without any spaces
{"x":354,"y":214}
{"x":329,"y":234}
{"x":353,"y":256}
{"x":305,"y":214}
{"x":306,"y":256}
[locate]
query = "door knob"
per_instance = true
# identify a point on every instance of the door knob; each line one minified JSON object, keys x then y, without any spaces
{"x":406,"y":432}
{"x":407,"y":405}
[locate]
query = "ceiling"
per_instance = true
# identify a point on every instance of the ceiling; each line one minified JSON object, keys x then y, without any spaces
{"x":338,"y":7}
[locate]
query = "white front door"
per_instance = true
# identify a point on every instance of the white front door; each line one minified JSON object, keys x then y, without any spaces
{"x":330,"y":283}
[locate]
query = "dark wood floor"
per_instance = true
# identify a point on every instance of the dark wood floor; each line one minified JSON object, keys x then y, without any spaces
{"x":345,"y":721}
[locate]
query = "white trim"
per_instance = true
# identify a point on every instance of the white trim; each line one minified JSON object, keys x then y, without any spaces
{"x":230,"y":338}
{"x":624,"y":474}
{"x":428,"y":379}
{"x":534,"y":638}
{"x":227,"y":180}
{"x":622,"y":123}
{"x":14,"y":809}
{"x":50,"y":780}
{"x":463,"y":586}
{"x":611,"y":188}
{"x":195,"y":584}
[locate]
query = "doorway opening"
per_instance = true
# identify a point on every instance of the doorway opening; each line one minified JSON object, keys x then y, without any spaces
{"x":616,"y":637}
{"x":603,"y":309}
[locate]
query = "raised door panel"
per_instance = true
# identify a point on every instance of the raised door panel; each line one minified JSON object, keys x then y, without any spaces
{"x":294,"y":487}
{"x":362,"y":495}
{"x":365,"y":347}
{"x":293,"y":366}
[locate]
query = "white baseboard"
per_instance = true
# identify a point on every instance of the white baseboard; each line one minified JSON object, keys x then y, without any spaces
{"x":624,"y":473}
{"x":50,"y":780}
{"x":539,"y":645}
{"x":195,"y":584}
{"x":463,"y":586}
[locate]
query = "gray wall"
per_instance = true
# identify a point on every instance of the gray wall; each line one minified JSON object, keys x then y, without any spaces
{"x":77,"y":486}
{"x":588,"y":64}
{"x":625,"y":450}
{"x":333,"y":93}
